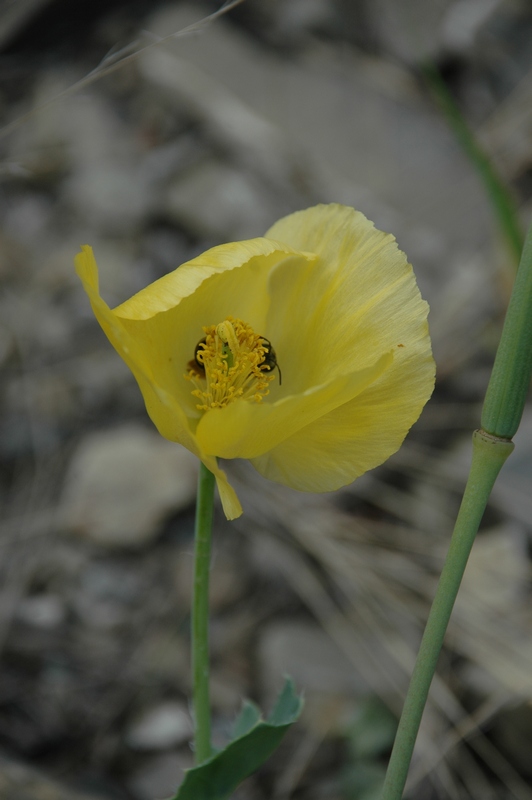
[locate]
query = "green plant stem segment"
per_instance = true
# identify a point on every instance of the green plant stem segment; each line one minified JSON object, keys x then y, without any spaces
{"x":200,"y":615}
{"x":501,"y":415}
{"x":510,"y":377}
{"x":489,"y":454}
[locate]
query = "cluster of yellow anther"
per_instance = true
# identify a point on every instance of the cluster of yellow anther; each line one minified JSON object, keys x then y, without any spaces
{"x":230,"y":364}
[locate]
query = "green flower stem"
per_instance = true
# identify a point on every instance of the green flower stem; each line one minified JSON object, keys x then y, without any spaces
{"x":489,"y":454}
{"x":200,"y":615}
{"x":501,"y":415}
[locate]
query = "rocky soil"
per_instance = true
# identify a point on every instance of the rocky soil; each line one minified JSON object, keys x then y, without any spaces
{"x":129,"y":127}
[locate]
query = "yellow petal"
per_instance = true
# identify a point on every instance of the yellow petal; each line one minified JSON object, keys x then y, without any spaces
{"x":166,"y":324}
{"x":87,"y":268}
{"x":259,"y":255}
{"x":230,"y":502}
{"x":362,"y":301}
{"x":156,"y":331}
{"x":160,"y":404}
{"x":344,"y":311}
{"x":246,"y":430}
{"x":357,"y":436}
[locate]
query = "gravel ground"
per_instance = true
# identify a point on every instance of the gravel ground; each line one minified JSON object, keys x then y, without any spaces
{"x":152,"y":138}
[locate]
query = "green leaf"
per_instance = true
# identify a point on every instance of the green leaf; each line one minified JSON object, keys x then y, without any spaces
{"x":247,"y":719}
{"x":254,"y":742}
{"x":288,"y":706}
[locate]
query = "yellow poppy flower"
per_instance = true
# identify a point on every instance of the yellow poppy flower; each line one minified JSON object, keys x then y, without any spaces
{"x":306,"y":351}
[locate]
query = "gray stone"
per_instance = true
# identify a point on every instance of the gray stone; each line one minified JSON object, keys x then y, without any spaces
{"x":20,"y":781}
{"x":122,"y":483}
{"x":164,"y":726}
{"x":411,"y":29}
{"x":45,"y":611}
{"x":463,"y":21}
{"x":160,"y":776}
{"x":306,"y":653}
{"x":215,"y":200}
{"x":330,"y":111}
{"x":106,"y":185}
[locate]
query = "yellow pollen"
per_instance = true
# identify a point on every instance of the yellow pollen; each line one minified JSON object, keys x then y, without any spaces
{"x":229,"y":364}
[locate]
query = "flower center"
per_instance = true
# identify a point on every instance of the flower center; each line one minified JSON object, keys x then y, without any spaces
{"x":231,"y":362}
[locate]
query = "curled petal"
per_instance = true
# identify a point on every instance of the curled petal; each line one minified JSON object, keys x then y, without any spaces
{"x":360,"y":300}
{"x":247,"y":430}
{"x":162,"y":407}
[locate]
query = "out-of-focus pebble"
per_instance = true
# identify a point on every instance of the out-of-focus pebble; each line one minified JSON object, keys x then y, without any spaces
{"x":218,"y":201}
{"x":166,"y":725}
{"x":306,"y":653}
{"x":160,"y":776}
{"x":45,"y":611}
{"x":122,"y":483}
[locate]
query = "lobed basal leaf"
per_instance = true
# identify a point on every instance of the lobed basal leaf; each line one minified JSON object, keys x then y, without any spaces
{"x":255,"y":739}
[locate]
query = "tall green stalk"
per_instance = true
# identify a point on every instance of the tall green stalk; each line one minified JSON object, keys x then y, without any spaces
{"x":489,"y":454}
{"x":200,"y":615}
{"x":501,"y":415}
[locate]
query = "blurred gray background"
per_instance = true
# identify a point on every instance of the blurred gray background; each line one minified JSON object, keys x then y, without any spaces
{"x":132,"y":128}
